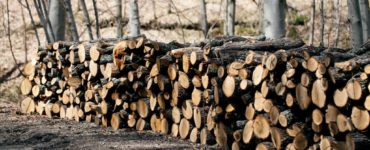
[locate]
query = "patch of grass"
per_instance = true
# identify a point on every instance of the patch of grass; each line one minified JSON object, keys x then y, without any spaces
{"x":292,"y":32}
{"x":300,"y":19}
{"x":10,"y":94}
{"x":240,"y":30}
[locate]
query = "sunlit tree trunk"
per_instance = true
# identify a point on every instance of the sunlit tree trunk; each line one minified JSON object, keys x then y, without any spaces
{"x":134,"y":22}
{"x":274,"y":18}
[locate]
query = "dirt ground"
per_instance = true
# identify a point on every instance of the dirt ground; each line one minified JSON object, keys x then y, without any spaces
{"x":39,"y":132}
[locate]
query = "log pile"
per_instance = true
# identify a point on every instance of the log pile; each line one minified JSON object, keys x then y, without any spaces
{"x":231,"y":91}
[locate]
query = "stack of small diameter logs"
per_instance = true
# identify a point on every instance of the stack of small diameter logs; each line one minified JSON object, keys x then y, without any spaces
{"x":234,"y":92}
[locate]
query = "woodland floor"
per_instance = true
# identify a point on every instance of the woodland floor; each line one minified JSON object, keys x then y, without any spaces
{"x":39,"y":132}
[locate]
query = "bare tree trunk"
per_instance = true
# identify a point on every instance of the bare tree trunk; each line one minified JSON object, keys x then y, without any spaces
{"x":203,"y":18}
{"x":274,"y":18}
{"x":226,"y":17}
{"x":87,"y":18}
{"x":96,"y":19}
{"x":365,"y":20}
{"x":154,"y":10}
{"x":230,"y":17}
{"x":134,"y":22}
{"x":46,"y":15}
{"x":260,"y":17}
{"x":25,"y":36}
{"x":42,"y":19}
{"x":322,"y":23}
{"x":118,"y":15}
{"x":72,"y":20}
{"x":337,"y":14}
{"x":33,"y":23}
{"x":355,"y":19}
{"x":57,"y":19}
{"x":312,"y":22}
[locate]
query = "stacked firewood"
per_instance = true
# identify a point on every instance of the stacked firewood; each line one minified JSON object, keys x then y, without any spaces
{"x":235,"y":92}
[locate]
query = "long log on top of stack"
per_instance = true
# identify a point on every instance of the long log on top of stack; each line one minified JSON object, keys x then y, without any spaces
{"x":236,"y":92}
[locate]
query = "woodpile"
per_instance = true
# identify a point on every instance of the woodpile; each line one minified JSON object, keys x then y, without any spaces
{"x":231,"y":91}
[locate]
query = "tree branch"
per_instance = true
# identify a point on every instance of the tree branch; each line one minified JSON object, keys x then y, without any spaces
{"x":96,"y":19}
{"x":9,"y":39}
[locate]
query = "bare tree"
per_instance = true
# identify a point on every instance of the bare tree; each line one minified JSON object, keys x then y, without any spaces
{"x":337,"y":15}
{"x":154,"y":10}
{"x":355,"y":19}
{"x":42,"y":19}
{"x":46,"y":16}
{"x":134,"y":22}
{"x":312,"y":34}
{"x":203,"y":18}
{"x":322,"y":22}
{"x":33,"y":23}
{"x":96,"y":19}
{"x":274,"y":18}
{"x":57,"y":19}
{"x":365,"y":20}
{"x":229,"y":24}
{"x":87,"y":18}
{"x":118,"y":15}
{"x":71,"y":19}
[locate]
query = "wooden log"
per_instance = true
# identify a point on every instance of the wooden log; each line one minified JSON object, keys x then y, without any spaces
{"x":274,"y":114}
{"x":141,"y":124}
{"x":344,"y":123}
{"x":143,"y":107}
{"x":164,"y":126}
{"x":249,"y":112}
{"x":261,"y":127}
{"x":221,"y":135}
{"x":131,"y":120}
{"x":184,"y":80}
{"x":248,"y":132}
{"x":198,"y":116}
{"x":194,"y":135}
{"x":26,"y":86}
{"x":331,"y":114}
{"x":355,"y":89}
{"x":258,"y":101}
{"x":317,"y":117}
{"x":286,"y":117}
{"x":187,"y":109}
{"x":360,"y":118}
{"x":367,"y":103}
{"x":356,"y":140}
{"x":206,"y":138}
{"x":184,"y":128}
{"x":196,"y":96}
{"x":280,"y":138}
{"x":300,"y":141}
{"x":174,"y":130}
{"x":176,"y":115}
{"x":172,"y":72}
{"x":210,"y":121}
{"x":265,"y":146}
{"x":340,"y":97}
{"x":318,"y":95}
{"x":259,"y":73}
{"x":303,"y":99}
{"x":27,"y":105}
